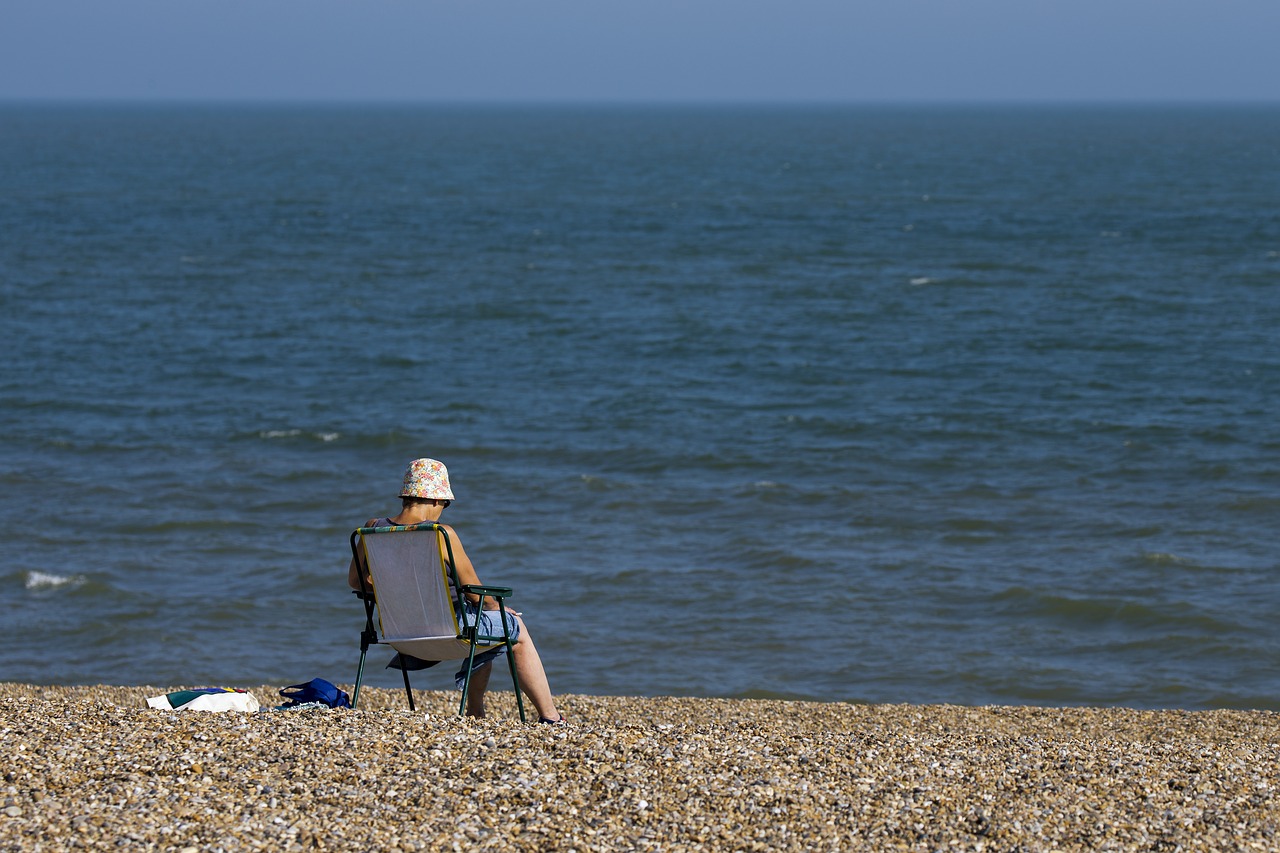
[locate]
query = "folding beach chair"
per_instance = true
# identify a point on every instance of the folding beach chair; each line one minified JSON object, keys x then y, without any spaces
{"x":421,"y":606}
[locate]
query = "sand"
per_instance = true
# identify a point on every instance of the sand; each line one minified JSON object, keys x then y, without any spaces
{"x":91,"y":768}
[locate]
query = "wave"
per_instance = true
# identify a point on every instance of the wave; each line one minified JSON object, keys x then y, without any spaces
{"x":597,"y":483}
{"x":297,"y":433}
{"x":1112,"y":610}
{"x":1161,"y":558}
{"x":37,"y":580}
{"x":1255,"y":504}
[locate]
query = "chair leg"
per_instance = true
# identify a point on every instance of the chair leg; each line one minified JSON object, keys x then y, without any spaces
{"x":511,"y":659}
{"x":368,"y":637}
{"x":408,"y":691}
{"x":466,"y":681}
{"x":515,"y":681}
{"x":355,"y":694}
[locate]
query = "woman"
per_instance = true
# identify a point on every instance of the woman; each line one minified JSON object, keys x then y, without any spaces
{"x":425,"y":496}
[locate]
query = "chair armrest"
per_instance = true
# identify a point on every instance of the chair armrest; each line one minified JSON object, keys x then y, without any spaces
{"x":481,"y":589}
{"x":363,"y":596}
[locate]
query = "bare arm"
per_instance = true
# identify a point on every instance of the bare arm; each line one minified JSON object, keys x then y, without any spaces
{"x":353,"y":570}
{"x":466,"y":571}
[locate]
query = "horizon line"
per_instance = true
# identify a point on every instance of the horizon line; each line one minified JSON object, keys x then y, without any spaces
{"x":306,"y":101}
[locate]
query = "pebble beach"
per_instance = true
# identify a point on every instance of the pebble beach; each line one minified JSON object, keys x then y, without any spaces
{"x":93,"y":768}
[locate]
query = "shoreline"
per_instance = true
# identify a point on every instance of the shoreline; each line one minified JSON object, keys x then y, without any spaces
{"x":90,"y":766}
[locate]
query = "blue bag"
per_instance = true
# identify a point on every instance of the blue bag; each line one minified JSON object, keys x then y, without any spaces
{"x":315,"y":690}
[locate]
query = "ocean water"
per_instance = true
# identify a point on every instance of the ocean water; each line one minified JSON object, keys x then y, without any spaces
{"x":966,"y":405}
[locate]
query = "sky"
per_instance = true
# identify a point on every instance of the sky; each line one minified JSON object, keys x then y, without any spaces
{"x":641,"y":51}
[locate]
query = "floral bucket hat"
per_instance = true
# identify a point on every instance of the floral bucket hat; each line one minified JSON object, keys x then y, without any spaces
{"x":427,"y":478}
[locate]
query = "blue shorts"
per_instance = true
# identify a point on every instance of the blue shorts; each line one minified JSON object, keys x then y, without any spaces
{"x":489,"y":625}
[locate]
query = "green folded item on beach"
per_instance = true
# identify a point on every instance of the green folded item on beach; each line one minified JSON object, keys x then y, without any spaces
{"x":205,"y":699}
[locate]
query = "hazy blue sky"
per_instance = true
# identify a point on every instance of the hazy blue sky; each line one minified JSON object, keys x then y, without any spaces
{"x":642,"y":50}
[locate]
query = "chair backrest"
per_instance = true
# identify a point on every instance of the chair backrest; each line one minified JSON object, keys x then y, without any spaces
{"x":410,"y":581}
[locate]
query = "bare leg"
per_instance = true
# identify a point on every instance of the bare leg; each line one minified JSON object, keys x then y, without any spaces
{"x":533,"y":679}
{"x":475,"y":690}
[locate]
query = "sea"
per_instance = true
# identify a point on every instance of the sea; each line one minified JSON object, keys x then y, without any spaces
{"x":917,"y":404}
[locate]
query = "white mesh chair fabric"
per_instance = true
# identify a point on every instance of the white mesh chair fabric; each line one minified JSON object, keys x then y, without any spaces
{"x":415,"y":599}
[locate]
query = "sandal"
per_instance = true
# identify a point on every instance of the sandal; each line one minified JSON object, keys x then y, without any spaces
{"x":560,"y":722}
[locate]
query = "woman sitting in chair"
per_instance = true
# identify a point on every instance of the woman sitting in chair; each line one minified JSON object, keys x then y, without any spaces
{"x":425,"y":496}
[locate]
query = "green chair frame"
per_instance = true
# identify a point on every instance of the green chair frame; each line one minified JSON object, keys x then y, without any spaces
{"x":467,"y":633}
